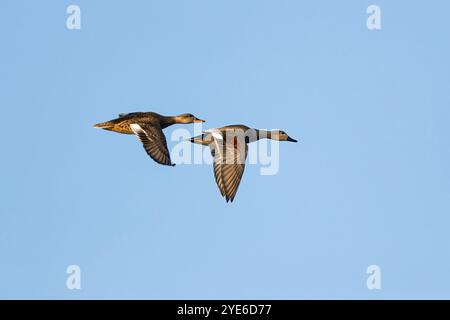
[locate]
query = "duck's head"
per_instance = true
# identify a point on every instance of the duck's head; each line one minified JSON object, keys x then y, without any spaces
{"x":280,"y":135}
{"x":187,"y":118}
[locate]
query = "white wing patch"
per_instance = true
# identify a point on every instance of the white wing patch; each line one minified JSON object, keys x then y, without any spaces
{"x":137,"y":128}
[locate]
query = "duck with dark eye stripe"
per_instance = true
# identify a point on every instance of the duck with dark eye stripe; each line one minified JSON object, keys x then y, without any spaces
{"x":148,"y":126}
{"x":229,"y":147}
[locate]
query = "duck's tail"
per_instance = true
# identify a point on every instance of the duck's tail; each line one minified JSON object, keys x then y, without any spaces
{"x":204,"y":139}
{"x":104,"y":125}
{"x":195,"y":139}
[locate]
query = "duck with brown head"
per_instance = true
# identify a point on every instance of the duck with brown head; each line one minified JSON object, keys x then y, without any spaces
{"x":148,"y":126}
{"x":187,"y":118}
{"x":278,"y":135}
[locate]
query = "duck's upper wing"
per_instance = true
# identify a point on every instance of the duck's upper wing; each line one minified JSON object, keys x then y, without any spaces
{"x":131,"y":114}
{"x":154,"y":141}
{"x":229,"y":164}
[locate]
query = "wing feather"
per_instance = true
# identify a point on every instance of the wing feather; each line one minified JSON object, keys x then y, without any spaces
{"x":229,"y":164}
{"x":154,"y":141}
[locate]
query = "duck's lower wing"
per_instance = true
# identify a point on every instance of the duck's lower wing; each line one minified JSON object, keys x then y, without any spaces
{"x":229,"y":165}
{"x":154,"y":141}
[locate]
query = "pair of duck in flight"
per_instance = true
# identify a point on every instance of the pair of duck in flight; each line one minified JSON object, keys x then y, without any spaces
{"x":228,"y":145}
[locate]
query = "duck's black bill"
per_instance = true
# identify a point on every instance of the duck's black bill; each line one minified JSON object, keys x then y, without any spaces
{"x":291,"y":140}
{"x":199,"y":120}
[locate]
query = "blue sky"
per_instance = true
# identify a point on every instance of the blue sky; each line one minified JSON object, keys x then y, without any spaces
{"x":368,"y":183}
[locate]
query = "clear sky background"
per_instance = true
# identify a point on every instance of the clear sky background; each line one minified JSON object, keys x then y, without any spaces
{"x":369,"y":182}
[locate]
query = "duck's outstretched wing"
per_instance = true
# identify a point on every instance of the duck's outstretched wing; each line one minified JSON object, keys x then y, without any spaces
{"x":154,"y":141}
{"x":229,"y":164}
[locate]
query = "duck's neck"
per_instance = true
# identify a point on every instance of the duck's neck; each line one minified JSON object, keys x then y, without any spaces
{"x":168,"y":121}
{"x":263,"y":134}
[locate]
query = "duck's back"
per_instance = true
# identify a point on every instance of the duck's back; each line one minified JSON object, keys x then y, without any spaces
{"x":140,"y":116}
{"x":235,"y":127}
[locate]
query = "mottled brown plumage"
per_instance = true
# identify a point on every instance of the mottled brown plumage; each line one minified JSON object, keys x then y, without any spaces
{"x":148,"y":126}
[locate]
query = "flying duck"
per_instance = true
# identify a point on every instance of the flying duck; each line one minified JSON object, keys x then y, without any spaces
{"x":229,"y":146}
{"x":148,"y":126}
